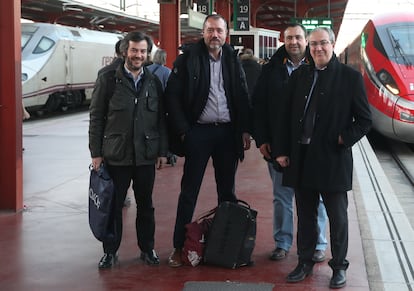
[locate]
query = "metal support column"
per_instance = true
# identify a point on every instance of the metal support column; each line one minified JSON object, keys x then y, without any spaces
{"x":302,"y":8}
{"x":11,"y":168}
{"x":170,"y":31}
{"x":254,"y":7}
{"x":224,"y":9}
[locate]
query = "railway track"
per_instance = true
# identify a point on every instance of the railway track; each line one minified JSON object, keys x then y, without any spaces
{"x":397,"y":161}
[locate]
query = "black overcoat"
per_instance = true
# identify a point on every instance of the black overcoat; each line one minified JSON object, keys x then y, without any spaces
{"x":341,"y":110}
{"x":267,"y":94}
{"x":187,"y":92}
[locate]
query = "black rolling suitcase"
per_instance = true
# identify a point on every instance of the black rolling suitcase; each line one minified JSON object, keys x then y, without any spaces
{"x":232,"y":235}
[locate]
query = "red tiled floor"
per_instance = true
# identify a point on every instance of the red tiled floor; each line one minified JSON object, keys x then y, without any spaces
{"x":50,"y":247}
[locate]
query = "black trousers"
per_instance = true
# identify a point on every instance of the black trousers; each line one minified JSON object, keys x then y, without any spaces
{"x":201,"y":143}
{"x":142,"y":183}
{"x":336,"y":205}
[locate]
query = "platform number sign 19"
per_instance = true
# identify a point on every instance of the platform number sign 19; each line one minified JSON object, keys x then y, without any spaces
{"x":241,"y":14}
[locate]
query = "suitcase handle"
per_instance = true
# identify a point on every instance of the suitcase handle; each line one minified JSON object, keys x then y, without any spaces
{"x":243,"y":202}
{"x":206,"y":214}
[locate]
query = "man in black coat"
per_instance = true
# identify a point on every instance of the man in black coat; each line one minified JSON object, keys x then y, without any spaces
{"x":208,"y":112}
{"x":325,"y":113}
{"x":251,"y":68}
{"x":271,"y":84}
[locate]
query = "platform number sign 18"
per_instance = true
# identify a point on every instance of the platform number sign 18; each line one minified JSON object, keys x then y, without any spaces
{"x":241,"y":15}
{"x":203,"y":6}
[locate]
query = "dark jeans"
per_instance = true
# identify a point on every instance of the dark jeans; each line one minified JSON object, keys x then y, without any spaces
{"x":143,"y":183}
{"x":201,"y":143}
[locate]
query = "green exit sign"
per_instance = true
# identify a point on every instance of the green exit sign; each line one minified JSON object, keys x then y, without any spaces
{"x":312,"y":23}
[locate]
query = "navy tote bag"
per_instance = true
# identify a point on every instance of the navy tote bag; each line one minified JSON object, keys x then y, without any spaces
{"x":101,"y":204}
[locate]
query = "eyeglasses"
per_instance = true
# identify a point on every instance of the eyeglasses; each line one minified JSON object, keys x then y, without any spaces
{"x":322,"y":43}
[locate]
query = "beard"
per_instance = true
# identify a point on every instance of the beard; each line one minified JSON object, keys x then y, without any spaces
{"x":131,"y":66}
{"x":214,"y":46}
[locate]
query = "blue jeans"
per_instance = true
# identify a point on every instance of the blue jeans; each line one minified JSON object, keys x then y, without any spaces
{"x":283,"y":214}
{"x":322,"y":221}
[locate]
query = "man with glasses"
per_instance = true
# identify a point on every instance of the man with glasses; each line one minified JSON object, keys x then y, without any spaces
{"x":325,"y":112}
{"x":270,"y":86}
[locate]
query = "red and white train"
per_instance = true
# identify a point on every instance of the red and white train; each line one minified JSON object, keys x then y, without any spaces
{"x":384,"y":54}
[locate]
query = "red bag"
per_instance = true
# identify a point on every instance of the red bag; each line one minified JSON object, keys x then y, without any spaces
{"x":196,"y":237}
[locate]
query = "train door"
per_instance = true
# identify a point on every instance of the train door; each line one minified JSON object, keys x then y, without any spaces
{"x":56,"y":75}
{"x":68,"y":61}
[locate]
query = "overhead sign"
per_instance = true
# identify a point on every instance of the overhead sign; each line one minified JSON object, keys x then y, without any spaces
{"x":204,"y":6}
{"x":312,"y":23}
{"x":195,"y":19}
{"x":241,"y":12}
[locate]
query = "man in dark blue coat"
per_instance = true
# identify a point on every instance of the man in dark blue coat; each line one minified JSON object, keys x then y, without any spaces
{"x":325,"y":113}
{"x":208,"y":111}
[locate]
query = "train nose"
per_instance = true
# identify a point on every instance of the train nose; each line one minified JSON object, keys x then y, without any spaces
{"x":27,"y":73}
{"x":403,"y":119}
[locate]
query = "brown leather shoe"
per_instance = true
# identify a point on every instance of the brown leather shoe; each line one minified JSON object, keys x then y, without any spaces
{"x":174,"y":260}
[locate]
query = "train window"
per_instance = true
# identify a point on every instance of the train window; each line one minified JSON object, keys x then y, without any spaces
{"x":403,"y":40}
{"x":44,"y":45}
{"x":27,"y":33}
{"x":378,"y":44}
{"x":25,"y":39}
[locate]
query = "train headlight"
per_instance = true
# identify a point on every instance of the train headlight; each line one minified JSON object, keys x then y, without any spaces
{"x":407,"y":117}
{"x":24,"y":77}
{"x":388,"y":81}
{"x":404,"y":110}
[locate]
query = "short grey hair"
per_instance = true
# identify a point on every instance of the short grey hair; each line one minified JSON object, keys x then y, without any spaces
{"x":330,"y":32}
{"x":160,"y":57}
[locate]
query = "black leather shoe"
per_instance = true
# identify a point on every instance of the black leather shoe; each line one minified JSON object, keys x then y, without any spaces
{"x":150,"y":258}
{"x":278,"y":254}
{"x":338,"y":279}
{"x":318,"y":256}
{"x":107,"y":261}
{"x":300,"y":273}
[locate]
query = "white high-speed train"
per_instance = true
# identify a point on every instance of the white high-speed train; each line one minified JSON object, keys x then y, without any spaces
{"x":60,"y":64}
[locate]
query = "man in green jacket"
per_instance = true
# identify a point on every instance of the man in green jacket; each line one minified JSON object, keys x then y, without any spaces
{"x":127,"y":132}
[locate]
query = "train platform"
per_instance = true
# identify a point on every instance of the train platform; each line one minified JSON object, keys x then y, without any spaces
{"x":49,"y":245}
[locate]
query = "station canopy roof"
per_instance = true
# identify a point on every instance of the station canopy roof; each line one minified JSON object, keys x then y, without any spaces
{"x":269,"y":14}
{"x":72,"y":13}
